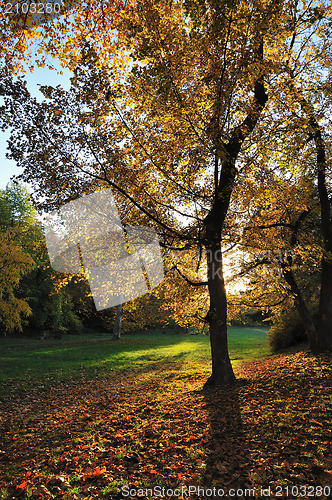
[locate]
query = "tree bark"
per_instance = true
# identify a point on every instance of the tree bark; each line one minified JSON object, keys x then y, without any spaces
{"x":324,"y":342}
{"x":222,"y":371}
{"x":117,"y":323}
{"x":302,"y":309}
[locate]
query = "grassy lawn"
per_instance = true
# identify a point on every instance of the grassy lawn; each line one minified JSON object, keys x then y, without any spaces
{"x":24,"y":358}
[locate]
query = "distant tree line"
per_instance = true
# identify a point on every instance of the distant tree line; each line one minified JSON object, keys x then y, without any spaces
{"x":33,"y":297}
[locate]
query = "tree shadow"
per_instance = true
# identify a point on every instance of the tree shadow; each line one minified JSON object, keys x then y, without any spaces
{"x":227,"y":462}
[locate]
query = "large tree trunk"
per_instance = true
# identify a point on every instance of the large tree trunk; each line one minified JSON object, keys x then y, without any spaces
{"x":324,"y":342}
{"x":325,"y":301}
{"x":302,"y":309}
{"x":222,"y":371}
{"x":227,"y":153}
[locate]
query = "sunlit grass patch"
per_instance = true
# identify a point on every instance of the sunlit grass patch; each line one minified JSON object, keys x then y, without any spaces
{"x":22,"y":359}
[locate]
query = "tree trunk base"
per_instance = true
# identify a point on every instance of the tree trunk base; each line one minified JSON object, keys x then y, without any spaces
{"x":221,"y":380}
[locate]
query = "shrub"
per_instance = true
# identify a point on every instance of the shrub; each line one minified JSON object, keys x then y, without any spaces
{"x":286,"y":331}
{"x":72,"y":323}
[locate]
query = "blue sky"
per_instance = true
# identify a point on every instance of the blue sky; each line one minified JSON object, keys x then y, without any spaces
{"x":40,"y":76}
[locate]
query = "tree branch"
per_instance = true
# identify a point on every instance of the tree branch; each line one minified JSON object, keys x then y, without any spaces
{"x":193,"y":283}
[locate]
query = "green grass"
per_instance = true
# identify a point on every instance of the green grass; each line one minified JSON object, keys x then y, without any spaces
{"x":26,"y":358}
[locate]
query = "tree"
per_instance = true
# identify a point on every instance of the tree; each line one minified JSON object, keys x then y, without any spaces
{"x":14,"y":263}
{"x":296,"y":148}
{"x":282,"y":247}
{"x":324,"y":337}
{"x":31,"y":296}
{"x":16,"y":212}
{"x":117,"y":322}
{"x":308,"y":80}
{"x":161,"y":111}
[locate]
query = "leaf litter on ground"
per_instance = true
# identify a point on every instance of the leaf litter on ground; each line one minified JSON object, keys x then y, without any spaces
{"x":87,"y":438}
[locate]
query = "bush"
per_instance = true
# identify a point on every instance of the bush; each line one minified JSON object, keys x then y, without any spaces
{"x":286,"y":331}
{"x":71,"y":323}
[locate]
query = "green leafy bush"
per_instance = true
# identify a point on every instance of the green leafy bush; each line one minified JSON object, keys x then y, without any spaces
{"x":286,"y":331}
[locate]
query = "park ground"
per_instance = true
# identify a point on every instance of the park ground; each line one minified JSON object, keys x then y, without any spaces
{"x":88,"y":418}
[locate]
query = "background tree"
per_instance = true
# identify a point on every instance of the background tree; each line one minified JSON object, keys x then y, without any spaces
{"x":31,"y":296}
{"x":14,"y":263}
{"x":16,"y":215}
{"x":281,"y":246}
{"x":293,"y":150}
{"x":307,"y":78}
